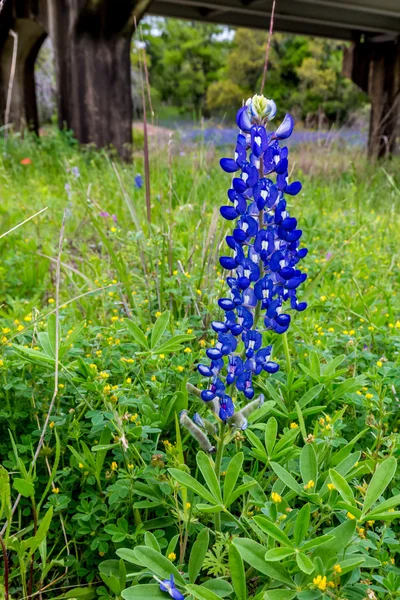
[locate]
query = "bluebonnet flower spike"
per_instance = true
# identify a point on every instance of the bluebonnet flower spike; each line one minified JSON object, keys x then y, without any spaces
{"x":262,"y":261}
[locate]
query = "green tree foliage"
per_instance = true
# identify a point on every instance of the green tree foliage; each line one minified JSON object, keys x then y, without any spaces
{"x":185,"y":59}
{"x":197,"y":66}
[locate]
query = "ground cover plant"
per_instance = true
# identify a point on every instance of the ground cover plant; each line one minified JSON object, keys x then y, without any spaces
{"x":120,"y":500}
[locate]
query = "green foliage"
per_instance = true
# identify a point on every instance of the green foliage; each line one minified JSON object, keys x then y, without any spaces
{"x":206,"y":68}
{"x":119,"y":493}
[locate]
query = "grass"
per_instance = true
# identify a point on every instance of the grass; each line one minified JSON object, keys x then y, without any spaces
{"x":120,"y":265}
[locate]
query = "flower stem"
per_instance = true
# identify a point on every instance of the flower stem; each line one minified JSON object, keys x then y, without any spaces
{"x":217,"y":467}
{"x":287,"y":353}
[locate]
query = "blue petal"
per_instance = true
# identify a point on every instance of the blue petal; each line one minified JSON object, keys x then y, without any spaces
{"x":285,"y":128}
{"x":229,"y":165}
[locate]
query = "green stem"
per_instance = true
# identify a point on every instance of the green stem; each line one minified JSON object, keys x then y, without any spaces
{"x":287,"y":353}
{"x":217,"y":468}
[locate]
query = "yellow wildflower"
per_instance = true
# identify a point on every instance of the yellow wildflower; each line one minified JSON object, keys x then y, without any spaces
{"x":172,"y":556}
{"x":51,"y":300}
{"x":350,"y":516}
{"x":189,"y":331}
{"x":320,"y":582}
{"x":51,"y":425}
{"x":337,"y":569}
{"x":158,"y":314}
{"x":293,"y":426}
{"x":369,"y":396}
{"x":55,"y":490}
{"x":180,"y":368}
{"x":379,"y":363}
{"x":154,"y":378}
{"x":104,"y":374}
{"x":331,"y":487}
{"x":80,"y":465}
{"x":309,"y":485}
{"x":276,"y":497}
{"x":114,"y":466}
{"x":187,"y":350}
{"x":188,"y":505}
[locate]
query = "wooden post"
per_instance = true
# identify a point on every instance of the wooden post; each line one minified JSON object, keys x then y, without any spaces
{"x":375,"y":67}
{"x":384,"y":91}
{"x":93,"y":70}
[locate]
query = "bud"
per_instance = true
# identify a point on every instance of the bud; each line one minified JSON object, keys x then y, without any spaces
{"x":204,"y":424}
{"x":261,"y":108}
{"x":192,"y":389}
{"x":196,"y":432}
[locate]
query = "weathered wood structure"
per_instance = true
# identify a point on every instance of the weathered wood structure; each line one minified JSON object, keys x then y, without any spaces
{"x":92,"y":39}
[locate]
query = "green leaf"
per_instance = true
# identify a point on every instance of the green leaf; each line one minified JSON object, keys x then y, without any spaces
{"x":35,"y":541}
{"x":238,"y":576}
{"x":45,"y":343}
{"x":304,"y":563}
{"x":342,"y":535}
{"x":287,"y":478}
{"x":5,"y":494}
{"x":279,"y":595}
{"x":200,"y":592}
{"x":308,"y":464}
{"x":191,"y":483}
{"x":379,"y":482}
{"x":34,"y":356}
{"x":277,"y":554}
{"x":219,"y":586}
{"x":159,"y":327}
{"x":51,"y":332}
{"x":137,"y":333}
{"x":301,"y":525}
{"x":342,"y":487}
{"x":144,"y":592}
{"x":87,"y":593}
{"x":254,"y":554}
{"x":262,"y":455}
{"x":151,"y":541}
{"x":64,"y":347}
{"x":174,"y":343}
{"x":273,"y":530}
{"x":338,"y":457}
{"x":232,"y":474}
{"x":157,"y":563}
{"x":204,"y":464}
{"x":23,"y":487}
{"x":271,"y":431}
{"x":101,"y":454}
{"x":383,"y":506}
{"x":385,"y":516}
{"x":198,"y":553}
{"x":351,"y":563}
{"x":322,"y":539}
{"x":129,"y":556}
{"x":310,"y":395}
{"x":301,"y":421}
{"x":239,"y":491}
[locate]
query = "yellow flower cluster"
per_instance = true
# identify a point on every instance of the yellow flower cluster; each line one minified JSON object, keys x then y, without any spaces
{"x":322,"y":583}
{"x":309,"y":485}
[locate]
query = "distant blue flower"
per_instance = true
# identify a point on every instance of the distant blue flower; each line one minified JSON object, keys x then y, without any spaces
{"x":168,"y":585}
{"x":75,"y":172}
{"x":138,"y":181}
{"x":263,"y":253}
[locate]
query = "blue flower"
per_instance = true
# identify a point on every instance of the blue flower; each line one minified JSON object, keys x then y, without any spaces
{"x":138,"y":181}
{"x":262,"y":261}
{"x":168,"y":585}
